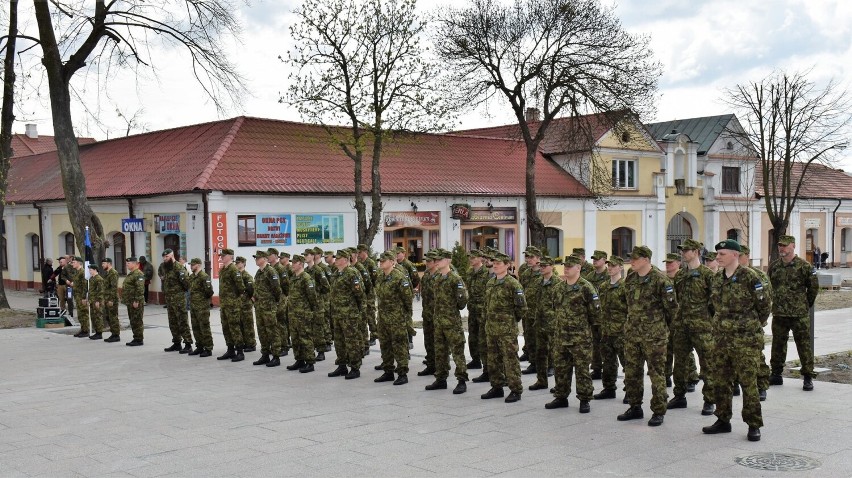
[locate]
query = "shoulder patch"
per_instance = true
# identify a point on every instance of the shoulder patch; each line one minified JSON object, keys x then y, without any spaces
{"x":758,"y":286}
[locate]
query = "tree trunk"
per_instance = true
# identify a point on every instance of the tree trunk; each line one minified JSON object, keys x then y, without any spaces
{"x":779,"y":228}
{"x":534,"y":224}
{"x":360,"y":205}
{"x":375,"y":192}
{"x":6,"y":121}
{"x":80,"y":212}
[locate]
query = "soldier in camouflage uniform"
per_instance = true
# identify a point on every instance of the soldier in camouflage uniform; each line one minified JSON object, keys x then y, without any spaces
{"x":96,"y":299}
{"x":740,"y":307}
{"x":276,"y":261}
{"x":347,"y":303}
{"x":175,"y":285}
{"x":692,"y":327}
{"x":673,"y":266}
{"x":266,"y":292}
{"x":611,"y":325}
{"x":414,"y":279}
{"x":80,"y":292}
{"x":795,"y":286}
{"x":505,"y":306}
{"x":427,"y":299}
{"x":710,"y":261}
{"x":110,"y":306}
{"x":477,"y":278}
{"x":394,"y":295}
{"x":598,"y":277}
{"x":546,"y":309}
{"x":585,"y":268}
{"x":318,"y":275}
{"x":247,"y":329}
{"x":331,"y":273}
{"x":369,"y":264}
{"x":302,"y":309}
{"x":481,"y":290}
{"x":651,"y":301}
{"x":578,"y":308}
{"x":200,"y":292}
{"x":323,"y":327}
{"x":527,"y":272}
{"x":450,"y":296}
{"x":231,"y":288}
{"x":764,"y":372}
{"x":133,"y":296}
{"x":367,"y":285}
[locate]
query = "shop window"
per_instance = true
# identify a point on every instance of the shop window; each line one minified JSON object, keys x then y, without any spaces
{"x":622,"y":242}
{"x":623,"y":174}
{"x":485,"y":236}
{"x":118,"y":252}
{"x":34,"y":252}
{"x":552,"y":242}
{"x":246,"y":230}
{"x":69,"y":244}
{"x":172,"y":241}
{"x":410,"y":239}
{"x":730,"y":180}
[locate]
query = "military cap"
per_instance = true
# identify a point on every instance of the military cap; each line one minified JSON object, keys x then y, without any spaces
{"x":298,"y":258}
{"x":744,"y":249}
{"x":709,"y":256}
{"x":443,"y":254}
{"x":640,"y":251}
{"x":572,"y":260}
{"x":259,"y":254}
{"x":308,"y":252}
{"x":579,"y":251}
{"x":284,"y":254}
{"x":328,"y":253}
{"x":501,"y":257}
{"x":429,"y":256}
{"x":599,"y":255}
{"x":92,"y":266}
{"x":546,"y":261}
{"x":532,"y":251}
{"x":475,"y":253}
{"x":107,"y":259}
{"x":78,"y":259}
{"x":272,"y":251}
{"x":729,"y":244}
{"x":240,"y":259}
{"x":362,"y":247}
{"x":318,"y":250}
{"x":615,"y":260}
{"x":167,"y":252}
{"x":786,"y":240}
{"x":131,"y":259}
{"x":690,"y":245}
{"x":557,"y":261}
{"x":342,"y":253}
{"x":399,"y":250}
{"x":226,"y":252}
{"x":390,"y":256}
{"x":351,"y":250}
{"x":672,"y":257}
{"x":195,"y":260}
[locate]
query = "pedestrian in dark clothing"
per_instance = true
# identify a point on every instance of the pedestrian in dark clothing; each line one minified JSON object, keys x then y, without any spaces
{"x":46,"y":275}
{"x":147,"y":271}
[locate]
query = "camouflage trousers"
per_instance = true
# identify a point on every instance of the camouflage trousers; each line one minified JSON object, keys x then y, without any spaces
{"x":370,"y":316}
{"x":449,"y":340}
{"x":736,"y":358}
{"x":597,"y":354}
{"x":98,"y":318}
{"x":638,"y":351}
{"x":267,"y":327}
{"x":529,"y":326}
{"x":612,"y":351}
{"x":503,"y":364}
{"x":473,"y":318}
{"x":482,"y":340}
{"x":200,"y":317}
{"x":393,"y":336}
{"x":568,"y":359}
{"x":319,"y":326}
{"x":110,"y":315}
{"x":348,"y":339}
{"x":801,"y":328}
{"x":685,"y":339}
{"x":764,"y":370}
{"x":302,"y":335}
{"x":83,"y":317}
{"x":230,"y":316}
{"x":178,"y":321}
{"x":247,"y":324}
{"x":693,"y":370}
{"x":283,"y":325}
{"x":136,"y":324}
{"x":545,"y":350}
{"x":428,"y":339}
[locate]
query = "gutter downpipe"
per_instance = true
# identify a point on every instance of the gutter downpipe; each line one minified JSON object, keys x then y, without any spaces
{"x":40,"y":236}
{"x":834,"y":230}
{"x":132,"y":234}
{"x":206,"y":212}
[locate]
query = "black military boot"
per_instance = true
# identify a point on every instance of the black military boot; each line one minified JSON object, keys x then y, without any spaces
{"x":379,"y":367}
{"x":340,"y":371}
{"x":495,"y":392}
{"x":556,"y":403}
{"x":308,"y":368}
{"x":426,"y":371}
{"x":596,"y":374}
{"x":205,"y":353}
{"x":320,"y":356}
{"x":96,"y":336}
{"x":402,"y":379}
{"x":385,"y":377}
{"x":228,"y":355}
{"x":736,"y":389}
{"x":437,"y":385}
{"x":676,"y":402}
{"x":353,"y":374}
{"x":174,"y":348}
{"x":632,"y":413}
{"x":718,"y":427}
{"x":656,"y":420}
{"x":708,"y":409}
{"x":372,"y":342}
{"x":240,"y":356}
{"x":753,"y":434}
{"x":529,"y":370}
{"x":197,"y":351}
{"x":585,"y":407}
{"x":690,"y":386}
{"x":604,"y":394}
{"x":474,"y":364}
{"x":538,"y":385}
{"x":776,"y":380}
{"x":669,"y":382}
{"x":484,"y":378}
{"x":513,"y":397}
{"x":251,"y":348}
{"x":460,"y":388}
{"x":187,"y":348}
{"x":296,"y":365}
{"x":113,"y":338}
{"x":762,"y":395}
{"x":81,"y":334}
{"x":274,"y":362}
{"x":134,"y":343}
{"x":808,"y":384}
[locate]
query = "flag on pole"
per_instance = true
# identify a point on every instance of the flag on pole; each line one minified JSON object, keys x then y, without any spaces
{"x":88,"y":254}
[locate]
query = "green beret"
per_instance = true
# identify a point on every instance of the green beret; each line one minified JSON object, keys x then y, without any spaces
{"x":195,"y":260}
{"x":284,"y":254}
{"x":709,"y":256}
{"x":546,"y":261}
{"x":131,"y":259}
{"x":240,"y":259}
{"x":390,"y":256}
{"x":572,"y":260}
{"x":298,"y":258}
{"x":272,"y":251}
{"x":641,"y":251}
{"x":690,"y":245}
{"x":167,"y":252}
{"x":342,"y":253}
{"x":579,"y":251}
{"x":786,"y":240}
{"x":78,"y":259}
{"x":729,"y":244}
{"x":599,"y":255}
{"x":672,"y":257}
{"x":226,"y":252}
{"x":107,"y":260}
{"x":362,"y":247}
{"x":93,"y":267}
{"x":615,"y":260}
{"x":259,"y":254}
{"x":501,"y":257}
{"x":744,"y":249}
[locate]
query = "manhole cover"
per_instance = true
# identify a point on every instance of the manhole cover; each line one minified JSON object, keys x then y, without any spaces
{"x":777,"y":462}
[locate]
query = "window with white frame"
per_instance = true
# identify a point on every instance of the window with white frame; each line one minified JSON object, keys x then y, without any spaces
{"x":624,"y":174}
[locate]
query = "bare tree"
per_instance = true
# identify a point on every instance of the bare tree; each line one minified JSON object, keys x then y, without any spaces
{"x":566,"y":57}
{"x":119,"y":33}
{"x":361,"y":64}
{"x":791,"y":123}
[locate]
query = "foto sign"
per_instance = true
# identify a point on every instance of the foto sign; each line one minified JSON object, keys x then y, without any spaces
{"x":132,"y":224}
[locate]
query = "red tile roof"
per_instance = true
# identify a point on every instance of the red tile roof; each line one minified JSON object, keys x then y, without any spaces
{"x":821,"y":182}
{"x":256,"y":155}
{"x":23,"y":145}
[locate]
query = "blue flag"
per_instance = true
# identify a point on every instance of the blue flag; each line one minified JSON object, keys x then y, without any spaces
{"x":88,"y":254}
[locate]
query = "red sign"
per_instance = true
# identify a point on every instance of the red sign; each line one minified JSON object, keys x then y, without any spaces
{"x":219,"y":239}
{"x":461,"y":211}
{"x":412,"y":219}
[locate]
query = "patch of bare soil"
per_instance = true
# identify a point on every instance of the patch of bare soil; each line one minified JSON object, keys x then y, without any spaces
{"x":16,"y":319}
{"x":833,"y":299}
{"x":839,"y":363}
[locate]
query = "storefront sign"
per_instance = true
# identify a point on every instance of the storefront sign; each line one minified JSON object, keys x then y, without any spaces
{"x":168,"y":223}
{"x":219,"y":238}
{"x":412,"y":219}
{"x":132,"y":224}
{"x":273,"y":230}
{"x":812,"y":223}
{"x":319,"y":228}
{"x":496,"y":215}
{"x":461,"y":211}
{"x":844,"y":221}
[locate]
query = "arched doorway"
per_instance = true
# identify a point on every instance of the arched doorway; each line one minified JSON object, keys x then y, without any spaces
{"x":622,"y":241}
{"x":33,"y":256}
{"x":119,"y":250}
{"x":679,"y":230}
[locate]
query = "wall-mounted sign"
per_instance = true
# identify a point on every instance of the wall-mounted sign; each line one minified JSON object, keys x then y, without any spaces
{"x":273,"y":230}
{"x":167,"y":223}
{"x":412,"y":219}
{"x":844,"y":221}
{"x":319,"y":228}
{"x":218,"y":238}
{"x":812,"y":223}
{"x":495,"y":215}
{"x":461,"y":211}
{"x":132,"y":224}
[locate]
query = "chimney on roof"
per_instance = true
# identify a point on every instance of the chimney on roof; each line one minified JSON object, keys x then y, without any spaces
{"x":674,"y":131}
{"x":533,"y":115}
{"x":32,"y":130}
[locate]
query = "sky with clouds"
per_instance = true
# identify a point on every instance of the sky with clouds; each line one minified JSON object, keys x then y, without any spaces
{"x":703,"y":45}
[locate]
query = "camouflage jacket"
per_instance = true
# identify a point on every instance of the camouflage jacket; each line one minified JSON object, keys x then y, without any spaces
{"x":505,"y":305}
{"x":795,"y":287}
{"x":267,"y":287}
{"x":303,"y":301}
{"x":394,"y":294}
{"x":579,"y":308}
{"x":767,"y":284}
{"x":366,"y":279}
{"x":200,"y":290}
{"x":96,"y":290}
{"x":651,"y":304}
{"x":597,"y":279}
{"x":347,"y":297}
{"x":175,"y":281}
{"x":740,"y":302}
{"x":283,"y":278}
{"x":231,"y":285}
{"x":477,"y":281}
{"x":413,"y":276}
{"x":248,"y":287}
{"x":326,"y":272}
{"x":613,"y":308}
{"x":427,"y":294}
{"x":110,"y":286}
{"x":320,"y":280}
{"x":532,"y":290}
{"x":586,"y":268}
{"x":80,"y":287}
{"x":692,"y":287}
{"x":549,"y":301}
{"x":450,"y":296}
{"x":133,"y":289}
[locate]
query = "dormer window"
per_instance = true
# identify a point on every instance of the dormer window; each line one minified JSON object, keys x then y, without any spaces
{"x":730,"y":146}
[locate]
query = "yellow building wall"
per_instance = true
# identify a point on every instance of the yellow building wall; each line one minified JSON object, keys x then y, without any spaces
{"x":25,"y":225}
{"x":61,"y":223}
{"x":690,"y":204}
{"x":638,"y":139}
{"x":572,"y":230}
{"x":607,"y":221}
{"x":734,"y":220}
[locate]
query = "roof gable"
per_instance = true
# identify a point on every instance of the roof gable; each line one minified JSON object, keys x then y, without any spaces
{"x":704,"y":130}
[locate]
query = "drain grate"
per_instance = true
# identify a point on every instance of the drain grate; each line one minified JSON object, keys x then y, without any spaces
{"x":777,"y":462}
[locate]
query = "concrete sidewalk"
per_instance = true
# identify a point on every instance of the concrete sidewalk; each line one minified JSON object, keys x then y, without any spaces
{"x":76,"y":407}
